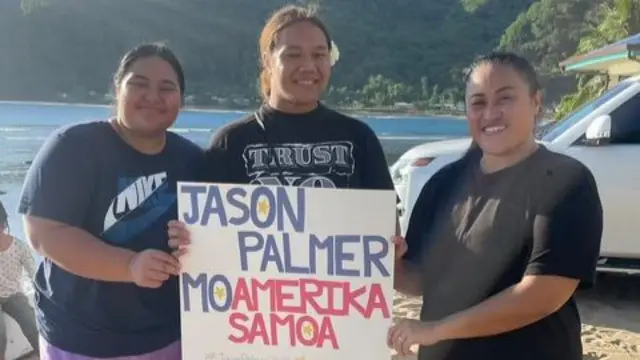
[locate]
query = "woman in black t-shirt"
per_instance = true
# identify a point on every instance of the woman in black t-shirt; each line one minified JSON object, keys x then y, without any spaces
{"x":293,"y":139}
{"x":499,"y":240}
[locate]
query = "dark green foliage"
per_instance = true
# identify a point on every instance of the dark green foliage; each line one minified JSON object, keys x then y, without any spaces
{"x":72,"y":46}
{"x":412,"y":51}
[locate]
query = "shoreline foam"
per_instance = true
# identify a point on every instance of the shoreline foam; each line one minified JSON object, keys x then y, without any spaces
{"x":390,"y":114}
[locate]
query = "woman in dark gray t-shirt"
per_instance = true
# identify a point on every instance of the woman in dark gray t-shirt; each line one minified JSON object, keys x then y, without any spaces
{"x":499,"y":241}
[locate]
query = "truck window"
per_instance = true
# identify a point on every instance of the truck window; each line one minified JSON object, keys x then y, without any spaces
{"x":625,"y":122}
{"x":557,"y":128}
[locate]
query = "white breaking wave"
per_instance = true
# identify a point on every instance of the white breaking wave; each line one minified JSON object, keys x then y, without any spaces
{"x":188,"y":130}
{"x":13,"y":129}
{"x":23,"y":138}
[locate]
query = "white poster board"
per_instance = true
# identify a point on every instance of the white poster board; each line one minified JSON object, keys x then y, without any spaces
{"x":284,"y":273}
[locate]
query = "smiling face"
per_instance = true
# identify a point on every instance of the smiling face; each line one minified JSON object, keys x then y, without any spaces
{"x":501,"y":109}
{"x":149,"y":97}
{"x":299,"y":64}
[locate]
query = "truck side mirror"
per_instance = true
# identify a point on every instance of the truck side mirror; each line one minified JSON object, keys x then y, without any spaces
{"x":599,"y":131}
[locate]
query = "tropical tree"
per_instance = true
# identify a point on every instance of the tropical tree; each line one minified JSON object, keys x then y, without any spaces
{"x":616,"y":20}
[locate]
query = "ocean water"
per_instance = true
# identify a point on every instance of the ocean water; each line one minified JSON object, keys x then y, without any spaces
{"x":25,"y":126}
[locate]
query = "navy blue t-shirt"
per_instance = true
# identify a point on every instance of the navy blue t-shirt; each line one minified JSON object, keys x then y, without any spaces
{"x":86,"y":176}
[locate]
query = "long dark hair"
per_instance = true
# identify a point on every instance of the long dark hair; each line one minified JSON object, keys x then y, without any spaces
{"x":281,"y":19}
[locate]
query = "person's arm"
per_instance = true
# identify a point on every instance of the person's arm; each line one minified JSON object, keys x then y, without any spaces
{"x":407,"y":274}
{"x":77,"y":251}
{"x":408,"y":277}
{"x":54,"y":202}
{"x":565,"y":250}
{"x":26,"y":259}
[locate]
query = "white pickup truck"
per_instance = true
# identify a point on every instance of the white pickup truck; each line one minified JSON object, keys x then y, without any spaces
{"x":603,"y":134}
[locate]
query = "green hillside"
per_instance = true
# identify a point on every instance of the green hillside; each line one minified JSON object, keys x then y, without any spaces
{"x":391,"y":51}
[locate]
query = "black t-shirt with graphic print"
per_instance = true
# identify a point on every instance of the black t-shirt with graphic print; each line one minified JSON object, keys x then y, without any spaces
{"x":321,"y":148}
{"x":476,"y":234}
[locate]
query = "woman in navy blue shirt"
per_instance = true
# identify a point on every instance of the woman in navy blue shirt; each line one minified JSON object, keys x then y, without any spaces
{"x":96,"y":202}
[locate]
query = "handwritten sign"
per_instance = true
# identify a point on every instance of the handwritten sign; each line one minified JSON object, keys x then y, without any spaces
{"x":284,"y":273}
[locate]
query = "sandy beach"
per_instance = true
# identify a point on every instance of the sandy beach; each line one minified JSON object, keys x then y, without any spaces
{"x":610,"y":315}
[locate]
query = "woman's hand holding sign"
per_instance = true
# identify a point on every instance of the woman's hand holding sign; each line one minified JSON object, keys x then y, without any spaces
{"x":408,"y":332}
{"x":400,"y":246}
{"x":151,"y":268}
{"x":179,"y":237}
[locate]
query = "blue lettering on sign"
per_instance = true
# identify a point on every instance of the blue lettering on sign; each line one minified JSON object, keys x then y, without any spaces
{"x":266,"y":206}
{"x":208,"y":292}
{"x":271,"y":250}
{"x":346,"y":255}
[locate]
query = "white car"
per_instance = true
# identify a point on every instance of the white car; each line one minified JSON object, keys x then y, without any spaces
{"x":603,"y":134}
